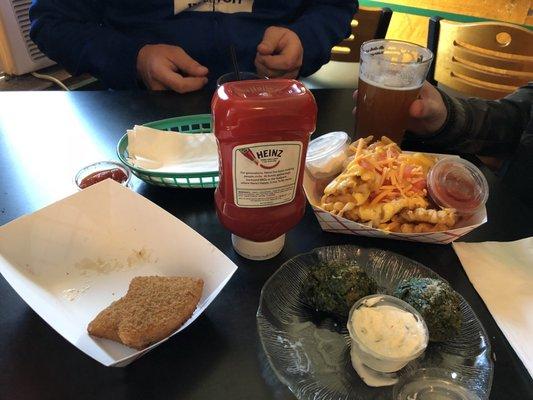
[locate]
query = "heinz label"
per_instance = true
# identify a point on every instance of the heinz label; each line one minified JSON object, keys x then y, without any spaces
{"x":266,"y":174}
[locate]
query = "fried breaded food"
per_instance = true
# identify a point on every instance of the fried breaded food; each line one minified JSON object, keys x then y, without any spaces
{"x":446,"y":216}
{"x":400,"y":225}
{"x":153,"y":308}
{"x":437,"y":302}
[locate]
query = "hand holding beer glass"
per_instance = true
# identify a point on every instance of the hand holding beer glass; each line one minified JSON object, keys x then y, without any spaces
{"x":391,"y":75}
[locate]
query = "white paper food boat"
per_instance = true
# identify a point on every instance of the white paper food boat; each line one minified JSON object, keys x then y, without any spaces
{"x":73,"y":258}
{"x":333,"y":223}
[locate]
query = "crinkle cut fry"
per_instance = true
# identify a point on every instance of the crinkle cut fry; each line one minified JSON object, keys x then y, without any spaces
{"x":446,"y":216}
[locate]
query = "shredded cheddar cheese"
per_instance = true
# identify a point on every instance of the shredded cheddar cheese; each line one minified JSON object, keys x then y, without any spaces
{"x":397,"y":173}
{"x":381,"y":196}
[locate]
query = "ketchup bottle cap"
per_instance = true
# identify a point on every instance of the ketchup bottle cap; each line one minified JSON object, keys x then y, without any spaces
{"x":258,"y":250}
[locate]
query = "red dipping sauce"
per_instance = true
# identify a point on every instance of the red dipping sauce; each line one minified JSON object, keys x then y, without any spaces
{"x":456,"y":183}
{"x":116,"y":174}
{"x":100,"y":171}
{"x":262,"y":129}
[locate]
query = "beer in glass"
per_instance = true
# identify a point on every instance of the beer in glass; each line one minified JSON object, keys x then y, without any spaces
{"x":391,"y":74}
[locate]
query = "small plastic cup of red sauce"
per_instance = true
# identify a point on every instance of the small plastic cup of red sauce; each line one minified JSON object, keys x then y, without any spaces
{"x":99,"y":171}
{"x":456,"y":183}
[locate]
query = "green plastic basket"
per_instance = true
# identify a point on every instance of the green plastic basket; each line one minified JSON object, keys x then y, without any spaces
{"x":200,"y":123}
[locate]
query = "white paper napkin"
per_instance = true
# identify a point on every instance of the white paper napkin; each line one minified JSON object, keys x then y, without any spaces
{"x":166,"y":151}
{"x":502,"y":273}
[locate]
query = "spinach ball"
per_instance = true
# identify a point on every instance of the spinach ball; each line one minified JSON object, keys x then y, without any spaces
{"x":334,"y":287}
{"x":438,"y":304}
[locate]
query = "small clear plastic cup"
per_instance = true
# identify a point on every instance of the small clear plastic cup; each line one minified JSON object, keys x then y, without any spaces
{"x":101,"y":166}
{"x":434,"y":383}
{"x":326,"y":154}
{"x":373,"y":359}
{"x":456,"y":183}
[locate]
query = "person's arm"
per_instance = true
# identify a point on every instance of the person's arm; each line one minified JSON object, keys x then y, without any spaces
{"x":483,"y":127}
{"x":322,"y":25}
{"x":73,"y":33}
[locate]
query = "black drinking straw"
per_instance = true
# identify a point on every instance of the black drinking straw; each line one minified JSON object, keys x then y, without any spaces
{"x":234,"y":62}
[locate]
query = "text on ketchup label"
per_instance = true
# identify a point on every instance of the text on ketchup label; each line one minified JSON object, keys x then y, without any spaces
{"x":266,"y":174}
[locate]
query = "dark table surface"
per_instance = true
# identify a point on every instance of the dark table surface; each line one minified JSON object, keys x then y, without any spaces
{"x":45,"y":137}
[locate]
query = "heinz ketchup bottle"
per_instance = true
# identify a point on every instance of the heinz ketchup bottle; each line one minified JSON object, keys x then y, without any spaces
{"x":262,"y":129}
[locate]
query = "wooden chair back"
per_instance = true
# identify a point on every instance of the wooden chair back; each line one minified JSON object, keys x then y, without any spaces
{"x":369,"y":23}
{"x":483,"y":59}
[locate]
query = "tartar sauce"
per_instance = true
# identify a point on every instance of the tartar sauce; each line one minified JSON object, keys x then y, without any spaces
{"x":388,"y":331}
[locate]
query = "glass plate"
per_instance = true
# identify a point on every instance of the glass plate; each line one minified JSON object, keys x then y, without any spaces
{"x":310,"y":352}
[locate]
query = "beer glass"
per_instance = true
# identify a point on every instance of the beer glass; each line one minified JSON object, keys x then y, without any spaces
{"x":391,"y":74}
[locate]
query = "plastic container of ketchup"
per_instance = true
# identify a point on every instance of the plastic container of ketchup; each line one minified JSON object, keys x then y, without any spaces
{"x":456,"y":183}
{"x":262,"y":128}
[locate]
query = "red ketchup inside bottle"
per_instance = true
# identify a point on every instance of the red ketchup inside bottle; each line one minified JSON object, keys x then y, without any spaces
{"x":262,"y":129}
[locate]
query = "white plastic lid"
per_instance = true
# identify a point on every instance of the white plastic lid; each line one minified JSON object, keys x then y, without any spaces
{"x":326,"y":145}
{"x":257,"y":250}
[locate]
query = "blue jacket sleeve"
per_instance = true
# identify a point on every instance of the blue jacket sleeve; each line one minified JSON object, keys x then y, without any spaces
{"x":322,"y":25}
{"x":73,"y":34}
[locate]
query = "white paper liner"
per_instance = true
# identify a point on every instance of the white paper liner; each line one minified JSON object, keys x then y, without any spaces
{"x":502,"y":275}
{"x":167,"y":151}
